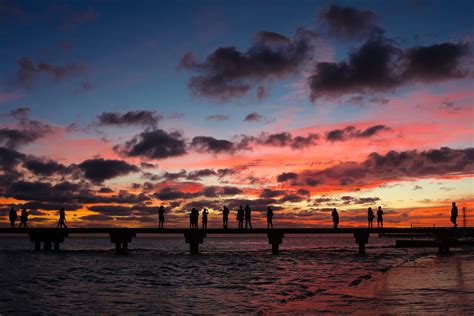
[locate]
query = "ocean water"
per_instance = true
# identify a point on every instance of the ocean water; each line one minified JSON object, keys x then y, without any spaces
{"x":233,"y":275}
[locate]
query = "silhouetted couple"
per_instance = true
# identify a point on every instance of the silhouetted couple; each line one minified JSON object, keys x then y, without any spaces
{"x":161,"y":216}
{"x":12,"y":215}
{"x":193,"y":218}
{"x":62,"y":219}
{"x":269,"y":217}
{"x":454,"y":214}
{"x":371,"y":216}
{"x":244,"y":214}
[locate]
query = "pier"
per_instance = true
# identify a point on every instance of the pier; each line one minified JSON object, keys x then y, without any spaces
{"x":442,"y":237}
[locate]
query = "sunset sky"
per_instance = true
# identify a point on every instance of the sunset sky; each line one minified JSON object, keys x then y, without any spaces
{"x":110,"y":109}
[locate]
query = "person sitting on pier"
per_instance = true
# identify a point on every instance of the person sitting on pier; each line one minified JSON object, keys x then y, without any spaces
{"x":248,"y":217}
{"x":370,"y":217}
{"x":335,"y":218}
{"x":240,"y":217}
{"x":269,"y":217}
{"x":454,"y":214}
{"x":225,"y":216}
{"x":161,"y":216}
{"x":62,"y":219}
{"x":380,"y":217}
{"x":23,"y":219}
{"x":12,"y":216}
{"x":205,"y":212}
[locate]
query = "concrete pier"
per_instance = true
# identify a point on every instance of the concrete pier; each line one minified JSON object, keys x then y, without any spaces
{"x":444,"y":237}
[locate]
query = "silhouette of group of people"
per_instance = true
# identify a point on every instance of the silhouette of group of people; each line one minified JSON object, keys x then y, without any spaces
{"x":12,"y":215}
{"x":371,"y":216}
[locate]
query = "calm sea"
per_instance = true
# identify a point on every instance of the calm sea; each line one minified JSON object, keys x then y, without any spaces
{"x":233,"y":275}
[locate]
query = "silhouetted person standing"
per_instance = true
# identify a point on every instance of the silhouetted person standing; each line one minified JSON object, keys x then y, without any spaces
{"x":380,"y":217}
{"x":195,"y":216}
{"x":240,"y":217}
{"x":12,"y":216}
{"x":335,"y":218}
{"x":269,"y":217}
{"x":248,"y":216}
{"x":225,"y":217}
{"x":370,"y":217}
{"x":62,"y":219}
{"x":23,"y":219}
{"x":454,"y":214}
{"x":205,"y":212}
{"x":161,"y":216}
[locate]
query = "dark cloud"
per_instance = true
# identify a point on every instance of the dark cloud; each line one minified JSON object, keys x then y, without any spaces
{"x":269,"y":193}
{"x":229,"y":73}
{"x":285,"y":176}
{"x":140,"y":118}
{"x":231,"y":191}
{"x":208,"y":144}
{"x":45,"y":167}
{"x":198,"y":174}
{"x":283,"y":139}
{"x":390,"y":167}
{"x":30,"y":130}
{"x":261,"y":92}
{"x":29,"y":72}
{"x":253,"y":117}
{"x":378,"y":65}
{"x":217,"y":117}
{"x":169,"y":193}
{"x":50,"y":206}
{"x":350,"y":23}
{"x":106,"y":190}
{"x":99,"y":170}
{"x":351,"y":132}
{"x":154,"y":144}
{"x":10,"y":158}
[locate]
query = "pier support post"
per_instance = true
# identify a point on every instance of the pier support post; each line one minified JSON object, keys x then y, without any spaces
{"x":194,"y":238}
{"x":361,"y":238}
{"x":275,"y":238}
{"x":121,"y":238}
{"x":47,"y":236}
{"x":444,"y":240}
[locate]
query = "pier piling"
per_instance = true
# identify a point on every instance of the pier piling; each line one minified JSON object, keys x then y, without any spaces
{"x":361,"y":238}
{"x":194,"y":238}
{"x":275,"y":238}
{"x":47,"y":237}
{"x":121,"y":238}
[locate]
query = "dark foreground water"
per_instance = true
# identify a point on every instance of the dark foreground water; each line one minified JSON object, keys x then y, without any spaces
{"x":234,"y":275}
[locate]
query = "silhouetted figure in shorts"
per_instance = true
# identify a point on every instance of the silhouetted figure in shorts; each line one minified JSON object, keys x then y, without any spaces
{"x":240,"y":217}
{"x":248,"y":216}
{"x":269,"y":217}
{"x":23,"y":219}
{"x":62,"y":219}
{"x":335,"y":218}
{"x":205,"y":213}
{"x":194,"y":218}
{"x":380,"y":217}
{"x":161,"y":216}
{"x":225,"y":217}
{"x":12,"y":216}
{"x":370,"y":217}
{"x":454,"y":214}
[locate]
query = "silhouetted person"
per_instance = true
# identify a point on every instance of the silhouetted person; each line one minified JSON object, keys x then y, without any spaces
{"x":380,"y":217}
{"x":12,"y":216}
{"x":248,"y":216}
{"x":205,"y":212}
{"x":62,"y":219}
{"x":269,"y":217}
{"x":454,"y":214}
{"x":23,"y":219}
{"x":240,"y":217}
{"x":225,"y":217}
{"x":161,"y":216}
{"x":370,"y":217}
{"x":335,"y":218}
{"x":194,"y":218}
